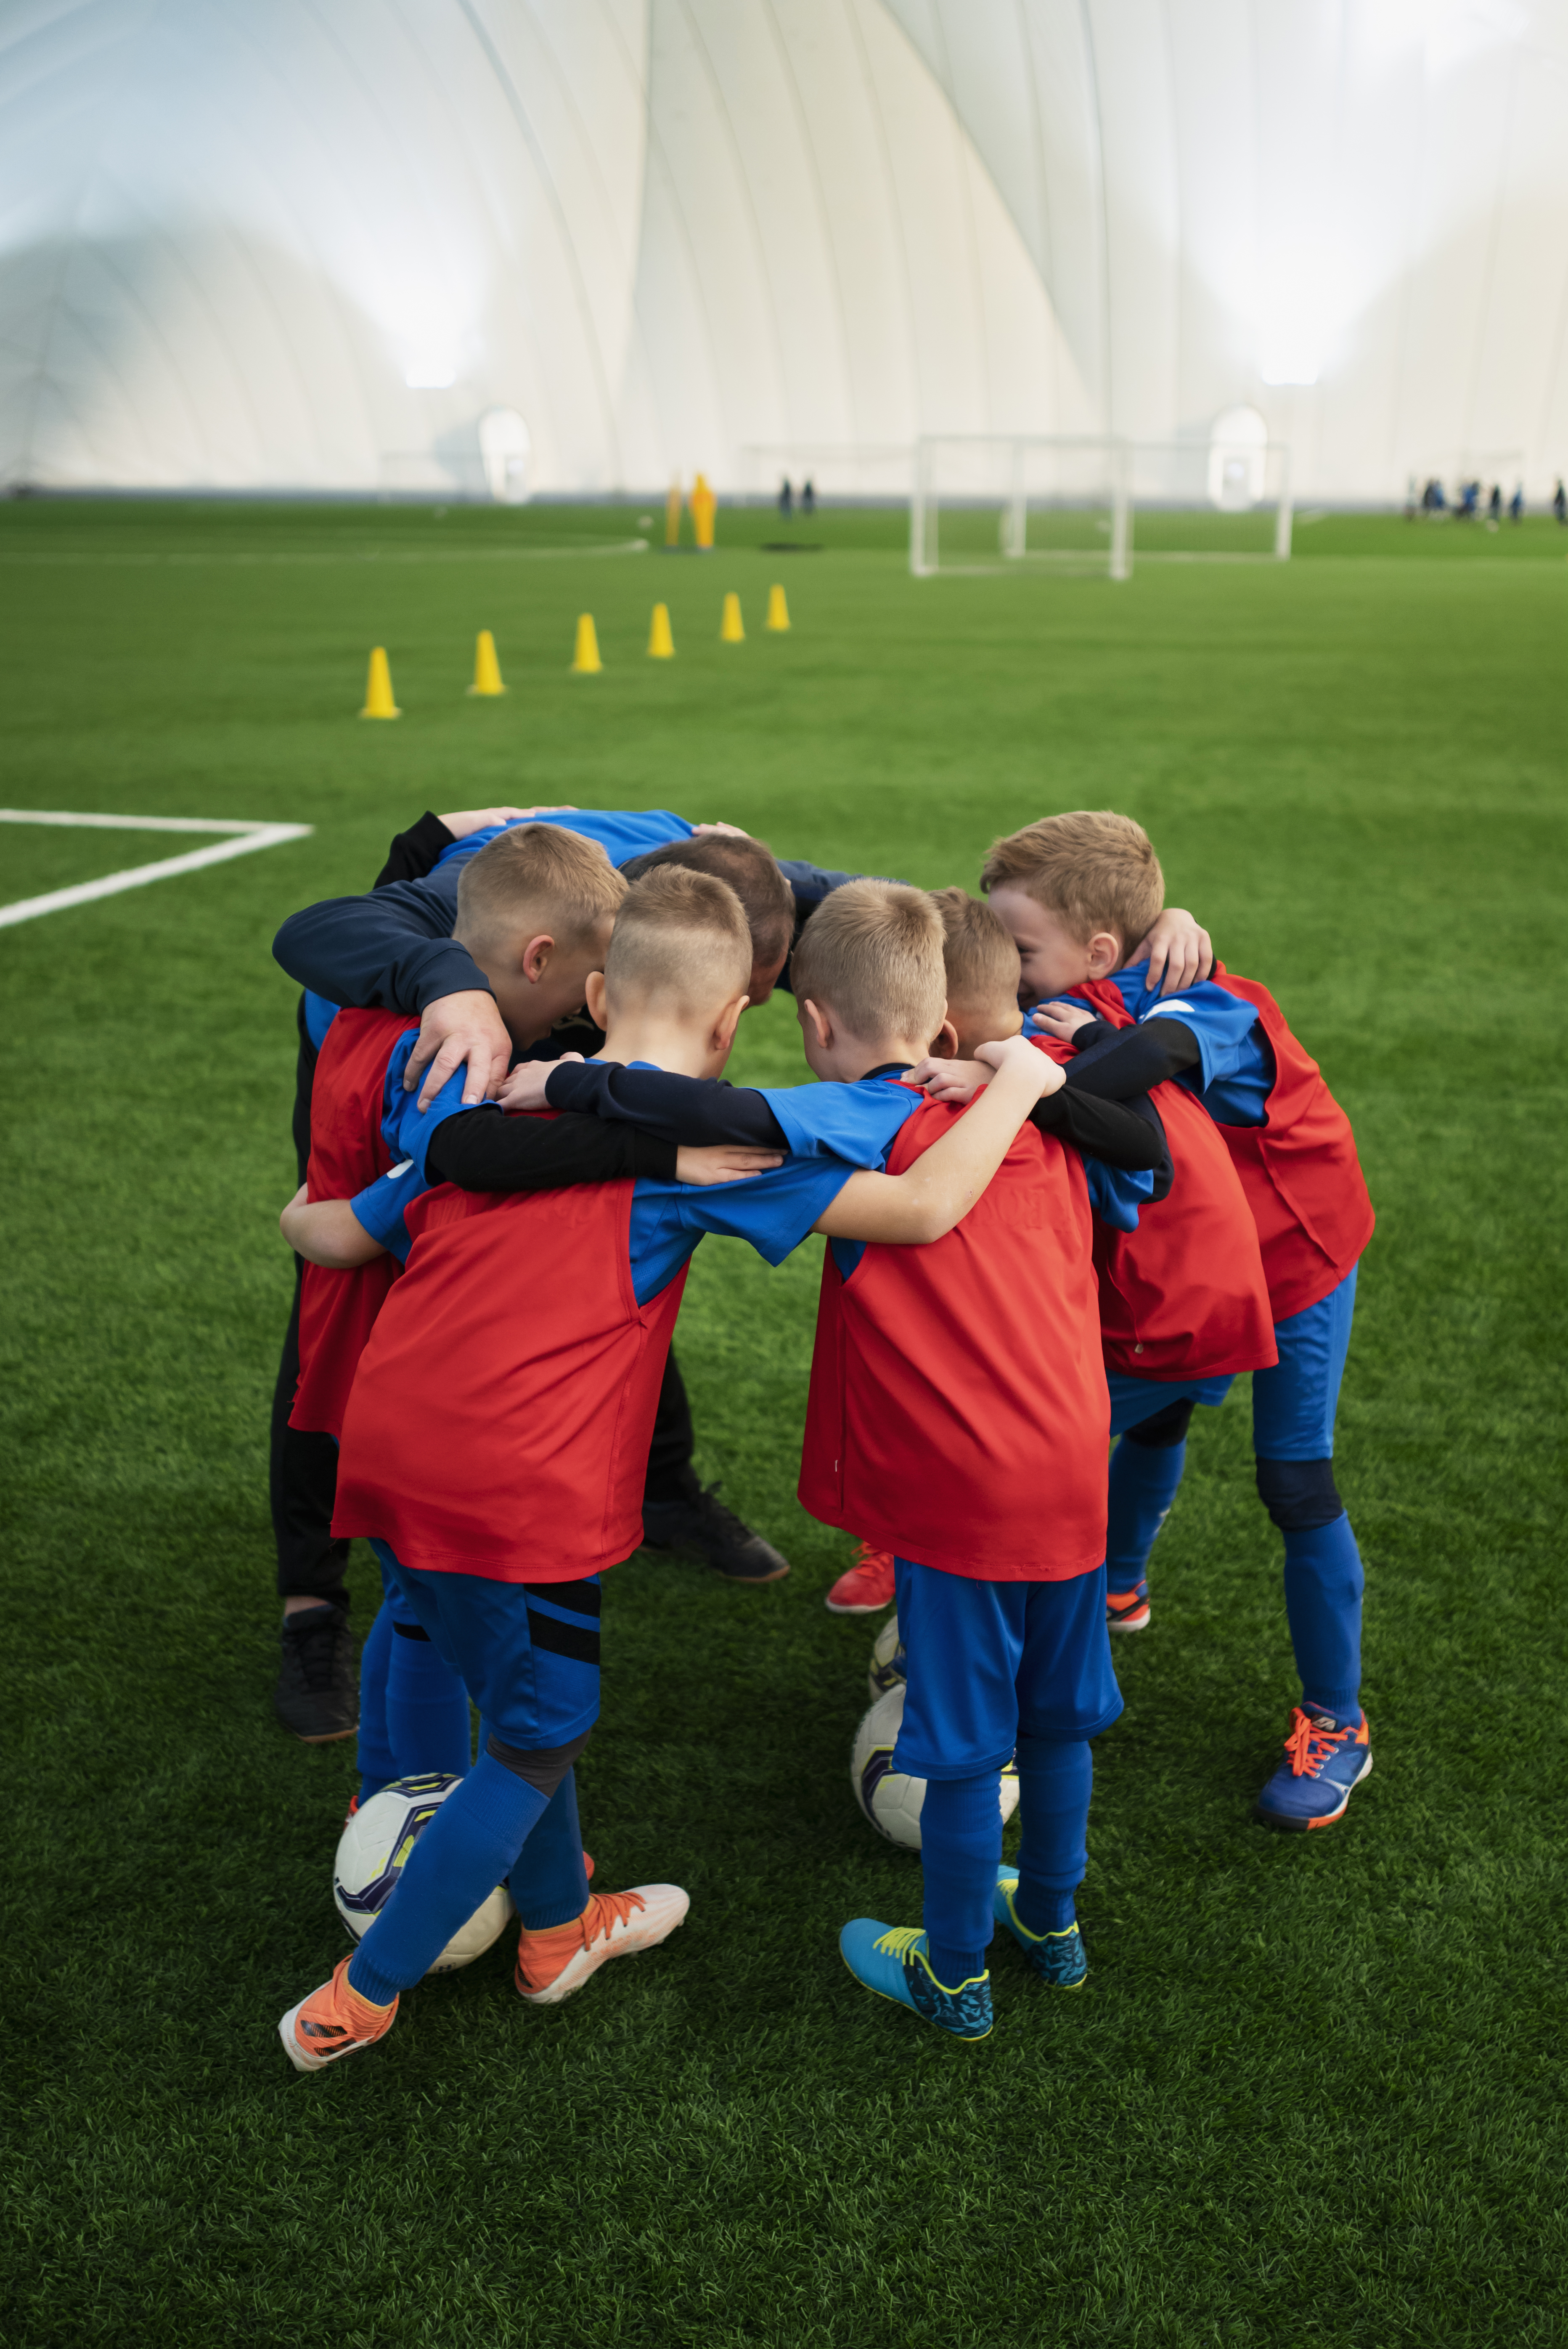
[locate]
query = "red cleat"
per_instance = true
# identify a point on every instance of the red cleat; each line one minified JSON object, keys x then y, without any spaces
{"x":867,"y":1588}
{"x":1127,"y":1611}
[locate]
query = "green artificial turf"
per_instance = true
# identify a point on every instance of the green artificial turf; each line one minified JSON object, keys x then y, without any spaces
{"x":1313,"y":2091}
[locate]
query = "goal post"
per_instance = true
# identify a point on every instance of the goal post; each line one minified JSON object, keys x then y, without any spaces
{"x":986,"y":503}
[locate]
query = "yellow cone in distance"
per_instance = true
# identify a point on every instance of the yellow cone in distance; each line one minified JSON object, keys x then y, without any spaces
{"x":378,"y":701}
{"x":730,"y":631}
{"x":487,"y":669}
{"x":661,"y":643}
{"x":586,"y":660}
{"x":673,"y":513}
{"x":703,"y":506}
{"x":777,"y":611}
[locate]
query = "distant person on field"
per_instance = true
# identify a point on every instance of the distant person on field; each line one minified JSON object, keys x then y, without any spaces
{"x":1560,"y":504}
{"x":807,"y":497}
{"x":1516,"y":505}
{"x":786,"y":499}
{"x":1494,"y":507}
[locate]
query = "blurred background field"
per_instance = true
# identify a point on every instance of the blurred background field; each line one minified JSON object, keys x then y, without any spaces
{"x":1314,"y":2090}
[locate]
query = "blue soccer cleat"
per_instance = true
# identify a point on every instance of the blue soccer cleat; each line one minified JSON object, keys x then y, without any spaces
{"x":1311,"y":1787}
{"x":1057,"y":1958}
{"x":891,"y":1961}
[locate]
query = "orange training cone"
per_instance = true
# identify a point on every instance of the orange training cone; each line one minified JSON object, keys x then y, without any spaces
{"x":703,"y":506}
{"x":730,"y":631}
{"x":777,"y":612}
{"x":378,"y":701}
{"x":673,"y":513}
{"x":661,"y":643}
{"x":487,"y":669}
{"x":586,"y":660}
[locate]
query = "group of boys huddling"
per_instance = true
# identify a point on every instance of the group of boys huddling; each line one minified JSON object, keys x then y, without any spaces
{"x":1060,"y":1206}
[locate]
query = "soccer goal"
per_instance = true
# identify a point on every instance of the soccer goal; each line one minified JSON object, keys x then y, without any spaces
{"x":984,"y":503}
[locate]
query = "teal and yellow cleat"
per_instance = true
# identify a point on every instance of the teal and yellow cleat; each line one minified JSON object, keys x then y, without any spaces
{"x":891,"y":1961}
{"x":1057,"y":1958}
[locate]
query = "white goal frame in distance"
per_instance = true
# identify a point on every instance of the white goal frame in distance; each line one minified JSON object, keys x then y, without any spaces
{"x":1196,"y":471}
{"x":925,"y":502}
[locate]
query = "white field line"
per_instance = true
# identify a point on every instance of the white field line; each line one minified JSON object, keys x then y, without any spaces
{"x":242,"y":840}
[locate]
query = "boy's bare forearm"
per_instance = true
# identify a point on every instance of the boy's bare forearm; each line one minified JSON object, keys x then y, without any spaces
{"x":328,"y":1232}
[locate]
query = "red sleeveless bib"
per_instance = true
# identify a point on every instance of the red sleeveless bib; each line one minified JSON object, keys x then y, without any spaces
{"x":958,"y":1413}
{"x":1183,"y":1297}
{"x":338,"y":1310}
{"x":500,"y":1421}
{"x":1299,"y":1169}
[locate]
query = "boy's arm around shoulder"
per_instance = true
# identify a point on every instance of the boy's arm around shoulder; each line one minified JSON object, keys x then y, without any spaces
{"x":925,"y":1202}
{"x":328,"y":1232}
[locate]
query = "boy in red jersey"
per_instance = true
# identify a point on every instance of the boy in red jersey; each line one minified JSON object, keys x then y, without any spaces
{"x":523,"y":1350}
{"x":535,"y":910}
{"x":1072,"y":889}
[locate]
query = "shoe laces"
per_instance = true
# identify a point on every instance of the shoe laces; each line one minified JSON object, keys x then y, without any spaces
{"x":900,"y":1940}
{"x":604,"y":1911}
{"x":867,"y":1554}
{"x":1310,"y":1745}
{"x":315,"y":1651}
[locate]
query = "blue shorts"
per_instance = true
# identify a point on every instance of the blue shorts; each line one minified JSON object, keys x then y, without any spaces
{"x":1132,"y":1401}
{"x":392,"y":1598}
{"x":990,"y":1660}
{"x":1294,"y":1404}
{"x":527,"y":1652}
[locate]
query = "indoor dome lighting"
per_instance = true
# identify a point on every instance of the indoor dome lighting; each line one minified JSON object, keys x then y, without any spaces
{"x":430,"y":374}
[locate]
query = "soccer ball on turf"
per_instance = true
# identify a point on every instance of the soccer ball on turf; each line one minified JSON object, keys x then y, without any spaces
{"x":887,"y":1659}
{"x":373,"y":1851}
{"x":892,"y":1802}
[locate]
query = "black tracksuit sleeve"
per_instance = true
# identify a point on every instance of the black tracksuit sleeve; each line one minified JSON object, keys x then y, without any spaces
{"x":482,"y":1150}
{"x":413,"y":852}
{"x":696,"y":1109}
{"x":1124,"y":1133}
{"x":391,"y":951}
{"x":1119,"y":1063}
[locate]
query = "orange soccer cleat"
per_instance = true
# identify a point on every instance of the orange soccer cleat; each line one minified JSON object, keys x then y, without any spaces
{"x":551,"y":1964}
{"x":867,"y":1588}
{"x":333,"y":2021}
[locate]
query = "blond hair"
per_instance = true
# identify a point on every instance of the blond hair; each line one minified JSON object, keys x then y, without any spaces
{"x":873,"y":953}
{"x":534,"y":878}
{"x":1094,"y":869}
{"x":752,"y":872}
{"x":981,"y":960}
{"x":682,"y":939}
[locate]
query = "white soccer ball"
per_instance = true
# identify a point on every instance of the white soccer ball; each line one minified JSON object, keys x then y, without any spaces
{"x":887,"y":1659}
{"x":892,"y":1802}
{"x":373,"y":1851}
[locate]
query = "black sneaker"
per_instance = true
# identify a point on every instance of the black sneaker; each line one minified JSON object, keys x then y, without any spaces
{"x":703,"y":1528}
{"x":318,"y":1695}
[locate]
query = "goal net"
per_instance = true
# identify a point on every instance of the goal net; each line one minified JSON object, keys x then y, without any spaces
{"x":986,"y":505}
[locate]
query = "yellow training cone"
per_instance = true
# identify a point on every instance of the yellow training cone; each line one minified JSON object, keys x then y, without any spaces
{"x":586,"y":660}
{"x":487,"y":669}
{"x":704,"y":505}
{"x":661,"y":643}
{"x":777,"y":611}
{"x":378,"y":701}
{"x":730,"y":631}
{"x":673,"y":513}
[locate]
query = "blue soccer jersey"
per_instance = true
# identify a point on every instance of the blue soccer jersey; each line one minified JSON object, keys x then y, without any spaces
{"x":407,"y":1130}
{"x":622,"y":833}
{"x":1235,"y":1069}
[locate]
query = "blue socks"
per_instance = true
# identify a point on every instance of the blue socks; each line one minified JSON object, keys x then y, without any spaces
{"x":549,"y":1883}
{"x":960,"y":1847}
{"x":1323,"y":1581}
{"x":469,"y":1847}
{"x":1143,"y":1483}
{"x":377,"y":1763}
{"x":426,"y":1710}
{"x":1054,"y":1782}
